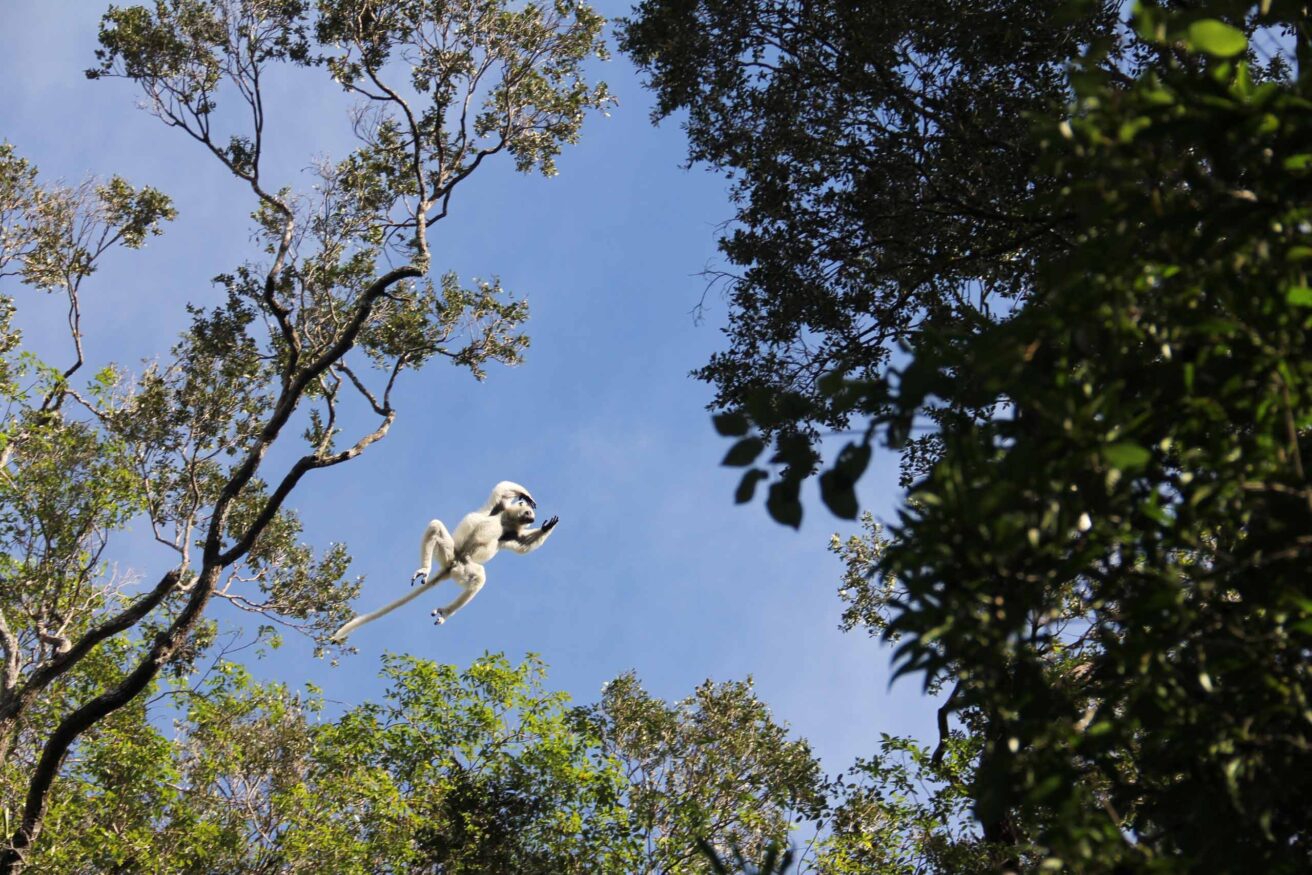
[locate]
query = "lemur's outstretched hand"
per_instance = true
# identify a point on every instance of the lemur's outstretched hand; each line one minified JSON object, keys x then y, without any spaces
{"x":550,"y":524}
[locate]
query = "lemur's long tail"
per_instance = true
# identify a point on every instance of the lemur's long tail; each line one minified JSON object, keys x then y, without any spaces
{"x":340,"y":635}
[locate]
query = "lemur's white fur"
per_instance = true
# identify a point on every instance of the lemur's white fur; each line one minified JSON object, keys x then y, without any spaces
{"x":502,"y":521}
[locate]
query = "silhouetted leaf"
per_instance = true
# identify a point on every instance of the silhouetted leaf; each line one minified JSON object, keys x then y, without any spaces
{"x":747,"y":486}
{"x":744,"y":452}
{"x":783,"y":503}
{"x":838,"y":495}
{"x":732,"y":424}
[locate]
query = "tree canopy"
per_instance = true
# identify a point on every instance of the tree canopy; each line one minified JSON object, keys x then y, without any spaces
{"x":335,"y":303}
{"x":882,"y":166}
{"x":1106,"y":558}
{"x":1056,"y":259}
{"x":1104,"y":554}
{"x":1114,"y":561}
{"x":471,"y":770}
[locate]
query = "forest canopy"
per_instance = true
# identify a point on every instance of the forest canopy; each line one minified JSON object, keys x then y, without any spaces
{"x":1051,"y":257}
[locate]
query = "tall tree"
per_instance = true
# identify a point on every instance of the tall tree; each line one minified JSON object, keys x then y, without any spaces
{"x":714,"y":768}
{"x":1108,"y":556}
{"x":318,"y":320}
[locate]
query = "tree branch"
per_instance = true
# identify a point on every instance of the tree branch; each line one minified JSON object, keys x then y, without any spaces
{"x":288,"y":400}
{"x":13,"y":705}
{"x":9,"y":644}
{"x":303,"y":466}
{"x":936,"y":759}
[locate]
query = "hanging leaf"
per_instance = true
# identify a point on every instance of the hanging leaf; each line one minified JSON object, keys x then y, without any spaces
{"x":744,"y":452}
{"x":838,"y":495}
{"x":783,"y":503}
{"x":733,"y":424}
{"x":747,"y":486}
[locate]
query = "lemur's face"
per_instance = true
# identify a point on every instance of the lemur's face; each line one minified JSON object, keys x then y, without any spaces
{"x":521,"y":513}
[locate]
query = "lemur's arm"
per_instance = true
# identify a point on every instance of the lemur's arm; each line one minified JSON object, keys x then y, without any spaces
{"x":528,"y":540}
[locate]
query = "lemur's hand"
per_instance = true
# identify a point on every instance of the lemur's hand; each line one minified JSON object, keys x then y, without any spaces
{"x":418,"y":576}
{"x":550,"y":524}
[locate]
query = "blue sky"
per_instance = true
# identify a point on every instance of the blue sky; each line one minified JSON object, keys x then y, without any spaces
{"x":653,"y":568}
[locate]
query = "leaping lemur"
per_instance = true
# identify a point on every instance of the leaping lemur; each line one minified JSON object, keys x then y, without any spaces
{"x":502,"y":521}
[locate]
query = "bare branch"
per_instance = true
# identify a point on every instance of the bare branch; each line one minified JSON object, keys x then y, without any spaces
{"x":302,"y":466}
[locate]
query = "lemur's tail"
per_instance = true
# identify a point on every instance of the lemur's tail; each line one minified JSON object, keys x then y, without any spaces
{"x":340,"y":635}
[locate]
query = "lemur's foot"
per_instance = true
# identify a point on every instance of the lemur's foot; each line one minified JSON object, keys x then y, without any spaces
{"x":438,"y":617}
{"x":418,"y":576}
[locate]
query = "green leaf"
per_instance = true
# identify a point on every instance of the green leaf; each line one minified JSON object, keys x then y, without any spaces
{"x":1299,"y":296}
{"x":1130,"y":129}
{"x":744,"y":452}
{"x":1217,"y":38}
{"x":1126,"y":455}
{"x":733,"y":424}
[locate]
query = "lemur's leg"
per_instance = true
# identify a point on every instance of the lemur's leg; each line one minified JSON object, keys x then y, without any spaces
{"x":437,"y":545}
{"x":530,"y":539}
{"x":471,"y":578}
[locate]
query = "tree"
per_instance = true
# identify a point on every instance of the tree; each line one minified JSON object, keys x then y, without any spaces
{"x":887,"y":182}
{"x":455,"y":771}
{"x":906,"y":810}
{"x":882,"y":165}
{"x":713,"y":769}
{"x":1116,"y":559}
{"x":1110,"y":564}
{"x":315,"y":322}
{"x":1107,"y":552}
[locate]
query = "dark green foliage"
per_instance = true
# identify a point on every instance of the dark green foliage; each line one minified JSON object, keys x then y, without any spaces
{"x":1107,"y":558}
{"x":882,"y":165}
{"x":1116,"y":561}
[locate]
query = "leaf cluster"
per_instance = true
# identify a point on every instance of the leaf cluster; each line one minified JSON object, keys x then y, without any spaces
{"x":1105,"y":551}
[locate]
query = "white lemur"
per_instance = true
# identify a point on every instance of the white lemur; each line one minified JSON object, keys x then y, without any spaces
{"x":502,"y":521}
